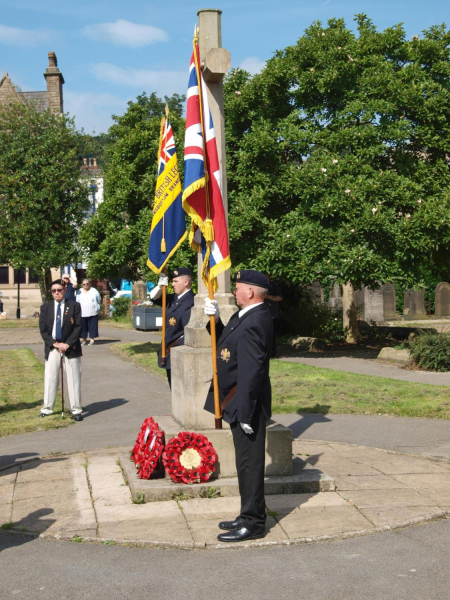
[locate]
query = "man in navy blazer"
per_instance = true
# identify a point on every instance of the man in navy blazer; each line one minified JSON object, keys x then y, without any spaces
{"x":60,"y":327}
{"x":178,"y":311}
{"x":243,"y":357}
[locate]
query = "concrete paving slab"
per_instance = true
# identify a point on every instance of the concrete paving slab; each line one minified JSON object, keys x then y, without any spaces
{"x":154,"y":512}
{"x":147,"y":532}
{"x":398,"y":465}
{"x":222,"y":509}
{"x":340,"y":466}
{"x":284,"y":505}
{"x":5,"y":513}
{"x":400,"y":516}
{"x":8,"y":477}
{"x":60,"y":490}
{"x":323,"y":521}
{"x":39,"y":471}
{"x":381,"y":499}
{"x":6,"y":494}
{"x":426,"y":481}
{"x":367,"y":482}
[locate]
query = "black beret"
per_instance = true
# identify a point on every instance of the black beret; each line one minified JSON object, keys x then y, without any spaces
{"x":180,"y":271}
{"x":252,"y":278}
{"x":58,"y":282}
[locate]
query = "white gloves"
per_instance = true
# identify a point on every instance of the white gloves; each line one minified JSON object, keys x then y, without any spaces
{"x":157,"y":291}
{"x":212,"y":308}
{"x":246,"y":428}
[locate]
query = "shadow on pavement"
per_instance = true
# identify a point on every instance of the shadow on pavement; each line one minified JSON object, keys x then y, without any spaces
{"x":98,"y":407}
{"x":308,"y":420}
{"x":32,"y":523}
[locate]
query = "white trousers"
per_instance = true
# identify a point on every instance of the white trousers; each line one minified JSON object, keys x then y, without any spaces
{"x":72,"y":367}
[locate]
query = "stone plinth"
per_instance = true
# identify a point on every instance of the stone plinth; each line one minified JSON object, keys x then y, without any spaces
{"x":302,"y":481}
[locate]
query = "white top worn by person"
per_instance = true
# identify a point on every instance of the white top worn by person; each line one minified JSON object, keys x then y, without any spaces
{"x":90,"y":302}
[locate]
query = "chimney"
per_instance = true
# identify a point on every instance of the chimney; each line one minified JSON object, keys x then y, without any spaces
{"x":55,"y":82}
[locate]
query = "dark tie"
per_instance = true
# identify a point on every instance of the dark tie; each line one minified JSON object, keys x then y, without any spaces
{"x":58,"y":330}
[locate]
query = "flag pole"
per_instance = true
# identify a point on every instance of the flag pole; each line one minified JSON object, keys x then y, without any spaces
{"x":212,"y":321}
{"x":163,"y":341}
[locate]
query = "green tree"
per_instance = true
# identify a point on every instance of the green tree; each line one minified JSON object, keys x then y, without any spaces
{"x":338,"y":163}
{"x":43,"y":200}
{"x":116,"y":237}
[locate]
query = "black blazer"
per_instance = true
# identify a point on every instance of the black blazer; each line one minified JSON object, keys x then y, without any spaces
{"x":71,"y":327}
{"x":243,"y":358}
{"x":178,"y":313}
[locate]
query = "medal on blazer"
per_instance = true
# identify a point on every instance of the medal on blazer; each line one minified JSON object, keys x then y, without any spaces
{"x":71,"y":320}
{"x":172,"y":321}
{"x":225,"y":355}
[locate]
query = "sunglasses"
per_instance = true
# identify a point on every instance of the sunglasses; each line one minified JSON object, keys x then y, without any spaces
{"x":58,"y":291}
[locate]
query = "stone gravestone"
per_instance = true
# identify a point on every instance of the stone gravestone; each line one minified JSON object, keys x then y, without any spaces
{"x":369,"y":304}
{"x":335,"y":299}
{"x":315,"y":291}
{"x":390,"y":308}
{"x":414,"y":303}
{"x":442,"y":300}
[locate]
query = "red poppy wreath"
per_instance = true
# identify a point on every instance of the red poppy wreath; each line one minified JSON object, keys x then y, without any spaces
{"x":189,"y":458}
{"x":148,"y":448}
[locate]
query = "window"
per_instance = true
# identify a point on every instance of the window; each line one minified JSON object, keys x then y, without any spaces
{"x":22,"y":276}
{"x":4,"y":275}
{"x":33,"y":277}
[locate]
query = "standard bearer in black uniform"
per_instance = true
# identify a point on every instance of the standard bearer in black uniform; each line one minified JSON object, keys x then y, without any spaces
{"x":178,"y":310}
{"x":243,"y":356}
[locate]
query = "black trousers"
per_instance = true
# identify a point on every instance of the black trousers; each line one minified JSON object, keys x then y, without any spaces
{"x":250,"y":458}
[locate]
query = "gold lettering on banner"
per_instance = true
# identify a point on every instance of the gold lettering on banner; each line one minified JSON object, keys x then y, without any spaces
{"x":190,"y":458}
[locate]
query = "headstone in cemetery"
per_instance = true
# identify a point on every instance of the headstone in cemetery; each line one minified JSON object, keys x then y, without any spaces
{"x":369,"y":304}
{"x":390,"y":308}
{"x":316,"y":292}
{"x":442,"y":300}
{"x":335,"y":299}
{"x":414,"y":303}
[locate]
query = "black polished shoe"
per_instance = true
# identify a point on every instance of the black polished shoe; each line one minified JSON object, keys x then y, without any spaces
{"x":42,"y":415}
{"x":228,"y":525}
{"x":241,"y":534}
{"x":77,"y":418}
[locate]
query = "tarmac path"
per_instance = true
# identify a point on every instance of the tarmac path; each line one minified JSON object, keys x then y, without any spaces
{"x":118,"y":396}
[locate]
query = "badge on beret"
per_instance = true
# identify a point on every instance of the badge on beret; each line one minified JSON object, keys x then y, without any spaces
{"x":238,"y":275}
{"x":225,"y":355}
{"x":172,"y":321}
{"x":175,"y":272}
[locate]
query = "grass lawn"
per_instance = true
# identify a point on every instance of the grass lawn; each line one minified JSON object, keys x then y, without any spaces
{"x":304,"y":389}
{"x":21,"y":392}
{"x":143,"y":355}
{"x":18,"y":323}
{"x":123,"y":323}
{"x":300,"y":388}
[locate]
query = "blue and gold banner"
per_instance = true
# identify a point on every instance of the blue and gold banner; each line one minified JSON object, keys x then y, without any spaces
{"x":168,"y":229}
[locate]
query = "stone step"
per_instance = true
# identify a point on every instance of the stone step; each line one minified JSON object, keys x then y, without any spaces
{"x":302,"y":481}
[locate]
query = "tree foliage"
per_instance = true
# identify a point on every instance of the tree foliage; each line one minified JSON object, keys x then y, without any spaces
{"x":43,"y":200}
{"x":116,"y":237}
{"x":338,"y":162}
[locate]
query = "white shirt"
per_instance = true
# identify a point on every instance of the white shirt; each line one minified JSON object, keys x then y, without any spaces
{"x":90,"y":302}
{"x":247,"y":308}
{"x":62,"y":317}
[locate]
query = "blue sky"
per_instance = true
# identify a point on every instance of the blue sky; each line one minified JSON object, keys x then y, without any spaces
{"x":109,"y":51}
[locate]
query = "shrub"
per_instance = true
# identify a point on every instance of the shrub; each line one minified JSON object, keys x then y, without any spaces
{"x":431,"y":351}
{"x":121,"y":307}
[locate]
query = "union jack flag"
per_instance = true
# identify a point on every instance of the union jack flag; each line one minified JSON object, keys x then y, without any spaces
{"x":168,"y":229}
{"x":202,"y":196}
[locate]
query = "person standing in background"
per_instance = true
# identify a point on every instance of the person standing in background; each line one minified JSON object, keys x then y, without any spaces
{"x":71,"y":286}
{"x":89,"y":299}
